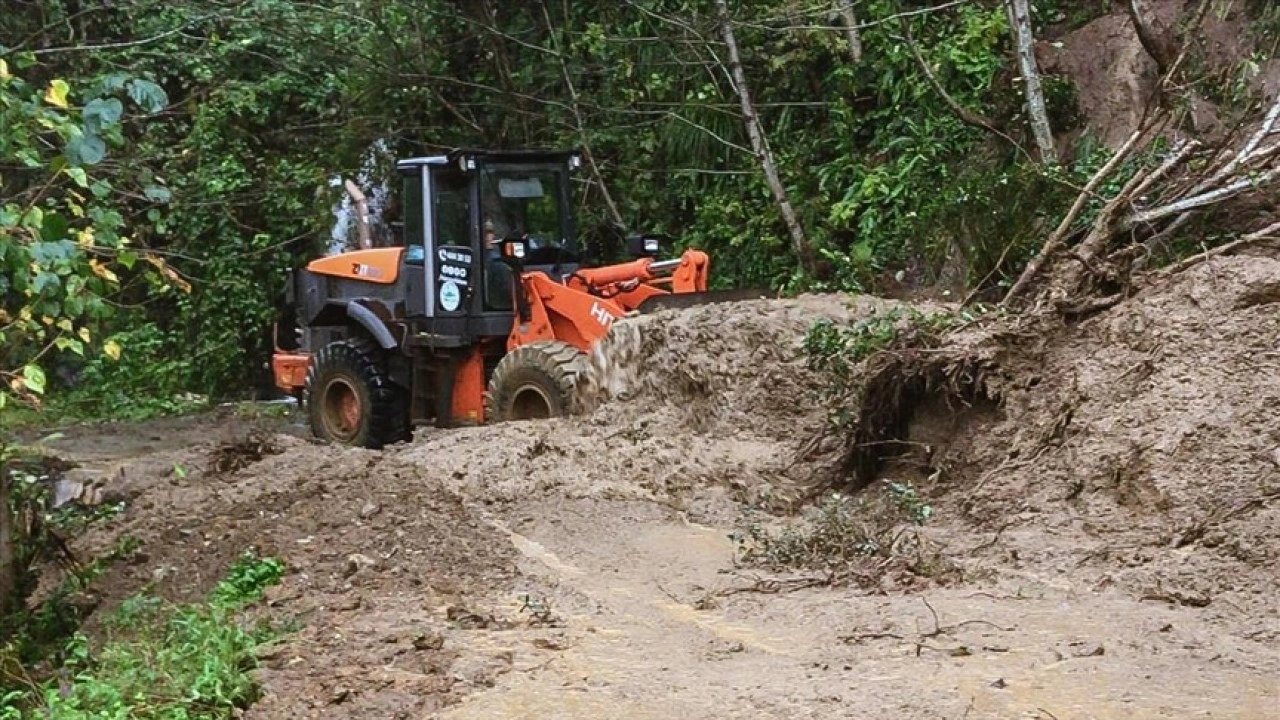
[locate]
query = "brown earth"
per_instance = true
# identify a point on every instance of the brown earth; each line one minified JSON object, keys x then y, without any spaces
{"x":1115,"y":80}
{"x":1114,"y":522}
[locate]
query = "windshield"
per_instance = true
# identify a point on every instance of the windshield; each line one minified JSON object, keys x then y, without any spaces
{"x":526,"y":204}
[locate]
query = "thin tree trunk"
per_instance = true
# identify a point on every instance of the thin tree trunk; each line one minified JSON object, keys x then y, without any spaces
{"x":760,"y":144}
{"x":1024,"y":41}
{"x":364,"y":239}
{"x":576,"y":109}
{"x":8,"y":551}
{"x":851,"y":30}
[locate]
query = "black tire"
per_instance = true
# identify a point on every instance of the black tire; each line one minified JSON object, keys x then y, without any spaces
{"x":349,"y":398}
{"x":534,"y":381}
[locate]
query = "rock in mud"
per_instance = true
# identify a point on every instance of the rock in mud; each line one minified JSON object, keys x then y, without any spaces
{"x":357,"y":562}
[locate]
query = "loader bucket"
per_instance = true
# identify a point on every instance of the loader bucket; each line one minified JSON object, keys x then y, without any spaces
{"x":684,"y":300}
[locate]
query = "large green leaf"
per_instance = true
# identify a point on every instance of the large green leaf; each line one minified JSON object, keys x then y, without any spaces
{"x":47,"y":253}
{"x":149,"y":96}
{"x":102,"y":113}
{"x":86,"y":149}
{"x":46,"y":282}
{"x":34,"y":378}
{"x":158,"y":193}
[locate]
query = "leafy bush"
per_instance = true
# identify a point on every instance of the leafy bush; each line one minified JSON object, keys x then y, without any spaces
{"x":841,"y":531}
{"x":147,"y":379}
{"x":247,"y":579}
{"x":160,"y":661}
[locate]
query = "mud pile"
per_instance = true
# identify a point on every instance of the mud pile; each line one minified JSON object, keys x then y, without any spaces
{"x":681,"y":402}
{"x":377,"y":552}
{"x":731,"y":368}
{"x":1138,"y":450}
{"x":1141,"y":446}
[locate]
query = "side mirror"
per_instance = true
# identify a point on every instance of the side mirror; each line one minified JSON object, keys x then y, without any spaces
{"x":640,"y":246}
{"x":513,"y":248}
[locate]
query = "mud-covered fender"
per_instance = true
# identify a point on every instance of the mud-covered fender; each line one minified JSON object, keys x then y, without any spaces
{"x":373,"y":324}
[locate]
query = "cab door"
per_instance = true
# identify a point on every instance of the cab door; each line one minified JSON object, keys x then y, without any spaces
{"x":452,"y":280}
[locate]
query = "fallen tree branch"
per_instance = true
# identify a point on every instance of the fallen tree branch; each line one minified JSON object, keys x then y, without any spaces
{"x":938,"y":630}
{"x":1205,"y":199}
{"x":1055,"y":240}
{"x":1177,"y":158}
{"x":1246,"y":154}
{"x":1270,"y":232}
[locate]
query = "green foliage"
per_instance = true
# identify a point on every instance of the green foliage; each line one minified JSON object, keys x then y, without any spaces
{"x":147,"y":381}
{"x":839,"y":354}
{"x":251,"y":108}
{"x":38,"y":633}
{"x":162,"y":661}
{"x":246,"y":580}
{"x":831,"y":348}
{"x":63,"y":245}
{"x":159,"y":662}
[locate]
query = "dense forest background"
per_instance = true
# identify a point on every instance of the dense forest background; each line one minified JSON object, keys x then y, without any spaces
{"x":163,"y":164}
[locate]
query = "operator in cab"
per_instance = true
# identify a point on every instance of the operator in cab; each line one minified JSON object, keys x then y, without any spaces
{"x":497,"y":274}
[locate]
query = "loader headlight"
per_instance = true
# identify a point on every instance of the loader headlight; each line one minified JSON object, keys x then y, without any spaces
{"x":644,"y":245}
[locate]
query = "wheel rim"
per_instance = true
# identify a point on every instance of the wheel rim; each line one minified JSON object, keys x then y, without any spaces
{"x":530,"y":403}
{"x":340,"y":409}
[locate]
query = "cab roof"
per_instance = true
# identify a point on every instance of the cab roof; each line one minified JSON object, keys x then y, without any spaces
{"x":490,"y":156}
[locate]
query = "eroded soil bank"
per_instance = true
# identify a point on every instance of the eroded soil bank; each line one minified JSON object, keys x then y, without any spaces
{"x":1113,"y":521}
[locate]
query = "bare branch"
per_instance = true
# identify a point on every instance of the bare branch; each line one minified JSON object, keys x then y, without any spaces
{"x":1270,"y":232}
{"x":861,"y":26}
{"x":1207,"y":198}
{"x":577,"y":118}
{"x":967,"y":116}
{"x":128,"y":44}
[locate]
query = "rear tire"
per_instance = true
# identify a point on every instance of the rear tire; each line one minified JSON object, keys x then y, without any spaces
{"x":349,"y":398}
{"x":534,"y":381}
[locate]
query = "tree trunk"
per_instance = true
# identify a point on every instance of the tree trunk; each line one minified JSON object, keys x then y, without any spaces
{"x":1024,"y":42}
{"x":760,"y":144}
{"x":8,"y":552}
{"x":851,"y":30}
{"x":364,"y":240}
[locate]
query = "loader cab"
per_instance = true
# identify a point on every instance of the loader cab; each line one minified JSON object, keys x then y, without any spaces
{"x":448,"y":203}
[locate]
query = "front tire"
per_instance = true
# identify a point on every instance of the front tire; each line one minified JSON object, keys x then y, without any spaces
{"x":349,"y":398}
{"x":534,"y":381}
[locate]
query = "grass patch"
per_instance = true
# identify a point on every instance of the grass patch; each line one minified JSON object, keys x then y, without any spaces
{"x":69,"y":408}
{"x":160,"y":661}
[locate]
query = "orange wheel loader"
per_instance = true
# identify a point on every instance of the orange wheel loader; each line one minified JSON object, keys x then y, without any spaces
{"x":480,"y":311}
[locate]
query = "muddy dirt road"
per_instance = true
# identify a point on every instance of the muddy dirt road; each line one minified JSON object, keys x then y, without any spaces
{"x":583,"y":568}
